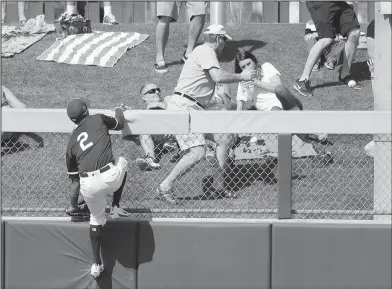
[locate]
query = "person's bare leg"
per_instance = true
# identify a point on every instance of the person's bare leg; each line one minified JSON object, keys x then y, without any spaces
{"x":196,"y":26}
{"x":147,"y":144}
{"x":314,"y":56}
{"x":349,"y":51}
{"x":162,"y":36}
{"x":224,"y":143}
{"x":193,"y":155}
{"x":21,"y":11}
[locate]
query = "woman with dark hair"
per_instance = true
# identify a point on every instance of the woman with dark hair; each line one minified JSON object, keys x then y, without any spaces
{"x":267,"y":92}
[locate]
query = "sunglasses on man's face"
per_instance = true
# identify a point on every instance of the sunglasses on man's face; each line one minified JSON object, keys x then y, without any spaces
{"x":153,"y":90}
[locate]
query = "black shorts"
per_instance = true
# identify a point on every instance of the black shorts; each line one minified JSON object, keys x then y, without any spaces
{"x":370,"y":30}
{"x":331,"y":17}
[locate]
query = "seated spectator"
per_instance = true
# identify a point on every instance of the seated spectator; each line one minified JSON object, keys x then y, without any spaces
{"x":267,"y":92}
{"x":151,"y":95}
{"x":21,"y":12}
{"x":332,"y":55}
{"x":108,"y":17}
{"x":9,"y":100}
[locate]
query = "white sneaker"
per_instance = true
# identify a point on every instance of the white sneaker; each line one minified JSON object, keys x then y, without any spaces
{"x":109,"y":20}
{"x":147,"y":164}
{"x":117,"y":212}
{"x":96,"y":270}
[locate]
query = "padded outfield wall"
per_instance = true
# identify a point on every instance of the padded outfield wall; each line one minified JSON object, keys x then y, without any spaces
{"x":193,"y":254}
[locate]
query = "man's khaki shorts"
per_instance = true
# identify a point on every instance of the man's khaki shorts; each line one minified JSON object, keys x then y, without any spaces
{"x":170,"y":9}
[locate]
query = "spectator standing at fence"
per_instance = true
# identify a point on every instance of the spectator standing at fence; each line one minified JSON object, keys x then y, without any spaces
{"x":94,"y":171}
{"x":108,"y":17}
{"x":168,"y":12}
{"x":195,"y":87}
{"x":151,"y":95}
{"x":21,"y":12}
{"x":329,"y":18}
{"x":331,"y":55}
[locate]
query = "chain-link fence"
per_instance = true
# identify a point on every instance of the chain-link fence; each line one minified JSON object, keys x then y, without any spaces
{"x":332,"y":177}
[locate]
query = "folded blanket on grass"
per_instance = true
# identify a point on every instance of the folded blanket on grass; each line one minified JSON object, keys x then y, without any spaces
{"x":98,"y":48}
{"x":15,"y":39}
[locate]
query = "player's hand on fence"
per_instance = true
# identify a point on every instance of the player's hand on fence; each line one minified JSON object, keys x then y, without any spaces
{"x":247,"y":75}
{"x":123,"y":107}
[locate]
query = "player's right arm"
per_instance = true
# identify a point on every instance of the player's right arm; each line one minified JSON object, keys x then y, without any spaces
{"x":117,"y":122}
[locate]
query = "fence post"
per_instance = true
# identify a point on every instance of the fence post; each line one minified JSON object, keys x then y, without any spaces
{"x":284,"y":176}
{"x":293,"y":12}
{"x":151,"y":12}
{"x":382,"y":101}
{"x":362,"y":13}
{"x":217,"y":13}
{"x":257,"y":12}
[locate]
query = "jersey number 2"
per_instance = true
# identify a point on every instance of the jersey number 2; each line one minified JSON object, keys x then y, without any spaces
{"x":82,"y":138}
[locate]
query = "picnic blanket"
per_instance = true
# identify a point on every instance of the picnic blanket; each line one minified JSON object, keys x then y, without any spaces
{"x":98,"y":48}
{"x":16,"y":39}
{"x":267,"y":146}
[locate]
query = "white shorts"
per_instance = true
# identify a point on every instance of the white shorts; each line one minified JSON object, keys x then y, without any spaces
{"x":97,"y":186}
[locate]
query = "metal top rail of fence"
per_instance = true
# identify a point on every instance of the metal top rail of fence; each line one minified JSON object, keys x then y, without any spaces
{"x":270,"y":178}
{"x":226,"y":12}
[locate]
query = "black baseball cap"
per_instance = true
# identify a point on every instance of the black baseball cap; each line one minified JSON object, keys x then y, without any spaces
{"x":76,"y":108}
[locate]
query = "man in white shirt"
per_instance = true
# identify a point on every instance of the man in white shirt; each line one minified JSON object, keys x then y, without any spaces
{"x":194,"y":90}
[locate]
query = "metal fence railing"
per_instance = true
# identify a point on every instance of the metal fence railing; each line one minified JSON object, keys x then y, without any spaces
{"x":330,"y":179}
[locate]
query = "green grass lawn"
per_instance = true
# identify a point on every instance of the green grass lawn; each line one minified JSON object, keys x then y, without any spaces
{"x":36,"y":177}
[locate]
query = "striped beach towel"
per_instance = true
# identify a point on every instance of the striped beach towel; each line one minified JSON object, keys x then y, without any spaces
{"x":97,"y":48}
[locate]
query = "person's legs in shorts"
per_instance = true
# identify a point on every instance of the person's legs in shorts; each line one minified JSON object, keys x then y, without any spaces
{"x":224,"y":143}
{"x":196,"y":13}
{"x":193,"y":146}
{"x":166,"y":13}
{"x":323,"y":15}
{"x":349,"y":27}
